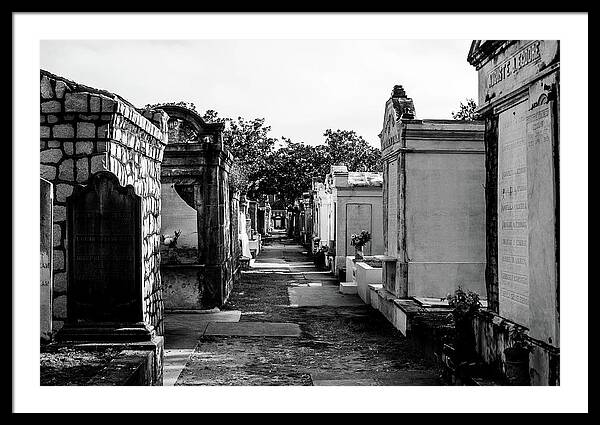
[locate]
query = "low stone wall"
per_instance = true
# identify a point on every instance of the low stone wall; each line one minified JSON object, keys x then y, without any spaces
{"x":82,"y":131}
{"x":366,"y":275}
{"x":136,"y":365}
{"x":492,"y":335}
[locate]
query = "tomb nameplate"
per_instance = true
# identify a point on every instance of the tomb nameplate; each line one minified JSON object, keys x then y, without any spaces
{"x":392,"y":209}
{"x":46,"y":246}
{"x":513,"y":240}
{"x":104,"y":252}
{"x":541,"y":195}
{"x":358,"y":218}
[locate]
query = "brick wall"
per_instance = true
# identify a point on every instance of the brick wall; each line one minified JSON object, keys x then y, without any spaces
{"x":82,"y":131}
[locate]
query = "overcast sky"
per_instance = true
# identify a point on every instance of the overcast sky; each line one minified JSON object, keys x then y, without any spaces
{"x":301,"y":87}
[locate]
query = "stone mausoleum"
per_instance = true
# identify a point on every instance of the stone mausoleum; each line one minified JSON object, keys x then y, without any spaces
{"x":434,"y":205}
{"x":322,"y":228}
{"x":355,"y":205}
{"x":519,"y":98}
{"x":102,"y":158}
{"x":263,"y":216}
{"x":433,"y":209}
{"x":199,"y":239}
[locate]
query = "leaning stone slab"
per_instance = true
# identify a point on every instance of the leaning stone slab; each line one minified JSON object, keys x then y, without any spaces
{"x":253,"y":329}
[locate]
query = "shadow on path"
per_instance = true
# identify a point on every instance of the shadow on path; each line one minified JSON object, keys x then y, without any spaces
{"x":295,"y":328}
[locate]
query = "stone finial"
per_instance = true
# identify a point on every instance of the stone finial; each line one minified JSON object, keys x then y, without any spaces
{"x":404,"y":106}
{"x":398,"y":91}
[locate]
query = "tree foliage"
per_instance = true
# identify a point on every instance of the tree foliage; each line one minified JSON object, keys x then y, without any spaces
{"x":466,"y":111}
{"x":261,"y":168}
{"x":250,"y":144}
{"x":292,"y":168}
{"x":345,"y":147}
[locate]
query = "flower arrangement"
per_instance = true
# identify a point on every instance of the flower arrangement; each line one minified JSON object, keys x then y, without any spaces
{"x":464,"y":303}
{"x":361,"y":239}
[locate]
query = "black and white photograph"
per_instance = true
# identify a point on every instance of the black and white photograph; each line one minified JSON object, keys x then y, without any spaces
{"x":242,"y":207}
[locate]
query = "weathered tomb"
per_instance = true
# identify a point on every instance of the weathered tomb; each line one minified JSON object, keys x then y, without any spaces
{"x":295,"y":227}
{"x":306,"y":230}
{"x":243,"y":229}
{"x":356,"y":205}
{"x":252,"y":213}
{"x":433,"y":203}
{"x":88,"y":135}
{"x":255,"y":238}
{"x":83,"y":131}
{"x":433,"y":226}
{"x":263,"y":216}
{"x":322,"y":223}
{"x":279,"y":213}
{"x":199,"y":248}
{"x":519,"y":101}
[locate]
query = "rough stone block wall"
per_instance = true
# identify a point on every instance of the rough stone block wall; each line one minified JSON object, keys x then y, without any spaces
{"x":83,"y":131}
{"x":134,"y":155}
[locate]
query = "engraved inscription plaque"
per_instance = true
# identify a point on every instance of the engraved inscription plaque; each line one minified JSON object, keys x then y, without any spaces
{"x":541,"y":195}
{"x":104,"y":252}
{"x":513,"y":240}
{"x":392,"y":209}
{"x":46,"y":244}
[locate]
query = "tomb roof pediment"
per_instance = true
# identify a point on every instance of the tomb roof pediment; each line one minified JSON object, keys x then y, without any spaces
{"x":481,"y":51}
{"x":186,"y":126}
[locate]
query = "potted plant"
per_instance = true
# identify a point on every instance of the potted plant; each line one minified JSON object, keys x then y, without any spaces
{"x":516,"y":363}
{"x":358,"y":241}
{"x":465,"y":305}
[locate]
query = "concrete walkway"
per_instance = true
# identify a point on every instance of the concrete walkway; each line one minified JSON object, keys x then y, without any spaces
{"x":287,"y":324}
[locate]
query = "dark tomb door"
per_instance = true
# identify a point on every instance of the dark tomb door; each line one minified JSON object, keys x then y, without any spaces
{"x":104,"y":252}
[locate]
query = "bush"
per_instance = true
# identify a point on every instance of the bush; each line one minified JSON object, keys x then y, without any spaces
{"x":464,"y":303}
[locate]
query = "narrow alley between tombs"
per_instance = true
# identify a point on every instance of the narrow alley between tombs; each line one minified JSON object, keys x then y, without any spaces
{"x":286,"y":323}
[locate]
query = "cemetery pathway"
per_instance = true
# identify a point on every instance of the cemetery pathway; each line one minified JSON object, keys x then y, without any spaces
{"x":286,"y":324}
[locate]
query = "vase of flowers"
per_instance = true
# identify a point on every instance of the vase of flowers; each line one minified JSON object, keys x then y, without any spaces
{"x":465,"y":305}
{"x":516,"y":364}
{"x":358,"y":241}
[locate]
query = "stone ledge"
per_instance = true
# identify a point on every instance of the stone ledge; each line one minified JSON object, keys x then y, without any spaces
{"x":350,"y":288}
{"x":404,"y":313}
{"x":130,"y":367}
{"x":138,"y":363}
{"x":106,"y":332}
